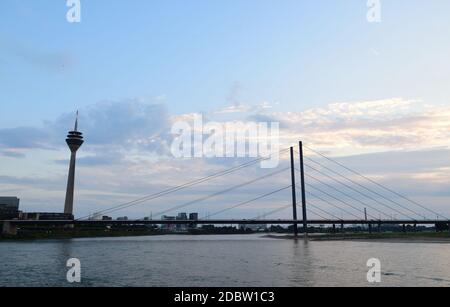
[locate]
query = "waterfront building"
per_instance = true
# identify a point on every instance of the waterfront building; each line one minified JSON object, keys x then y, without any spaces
{"x":182,"y":217}
{"x":193,"y":217}
{"x":168,"y":227}
{"x":253,"y":227}
{"x":46,"y":216}
{"x":9,"y":208}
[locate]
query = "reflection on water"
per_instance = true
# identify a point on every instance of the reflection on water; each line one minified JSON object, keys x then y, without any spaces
{"x":221,"y":261}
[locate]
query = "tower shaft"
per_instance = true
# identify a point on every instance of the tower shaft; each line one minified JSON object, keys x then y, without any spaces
{"x":68,"y":205}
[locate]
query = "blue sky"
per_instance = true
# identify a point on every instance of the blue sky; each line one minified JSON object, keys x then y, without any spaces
{"x":296,"y":53}
{"x":299,"y":57}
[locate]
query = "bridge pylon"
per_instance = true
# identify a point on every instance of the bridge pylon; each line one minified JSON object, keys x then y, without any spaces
{"x":294,"y":193}
{"x":302,"y":182}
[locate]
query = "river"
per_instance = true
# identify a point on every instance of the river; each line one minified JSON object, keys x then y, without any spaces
{"x":221,"y":261}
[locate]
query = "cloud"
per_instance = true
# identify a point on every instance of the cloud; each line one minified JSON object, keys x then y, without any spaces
{"x":52,"y":61}
{"x":131,"y":129}
{"x":108,"y":127}
{"x":25,"y":138}
{"x":42,"y":182}
{"x":367,"y":126}
{"x":399,"y":161}
{"x":98,"y":159}
{"x":12,"y":153}
{"x":234,"y":93}
{"x":350,"y":128}
{"x":402,"y":144}
{"x":114,"y":123}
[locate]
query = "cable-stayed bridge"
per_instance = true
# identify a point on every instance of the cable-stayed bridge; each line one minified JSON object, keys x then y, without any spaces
{"x":320,"y":191}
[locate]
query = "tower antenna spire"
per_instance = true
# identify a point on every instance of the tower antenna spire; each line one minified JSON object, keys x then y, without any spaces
{"x":76,"y":122}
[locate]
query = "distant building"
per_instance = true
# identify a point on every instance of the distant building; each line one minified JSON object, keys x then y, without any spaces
{"x":253,"y":227}
{"x":106,"y":218}
{"x":46,"y":216}
{"x":182,"y":217}
{"x":168,"y":227}
{"x":96,"y":217}
{"x":9,"y":208}
{"x":193,"y":217}
{"x":122,"y":218}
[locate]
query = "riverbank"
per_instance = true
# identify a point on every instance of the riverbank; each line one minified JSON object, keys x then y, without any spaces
{"x":422,"y":237}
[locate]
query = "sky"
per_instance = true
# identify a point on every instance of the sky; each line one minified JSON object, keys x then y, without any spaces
{"x":375,"y":95}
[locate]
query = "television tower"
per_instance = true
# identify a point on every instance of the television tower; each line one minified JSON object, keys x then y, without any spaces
{"x":74,"y":141}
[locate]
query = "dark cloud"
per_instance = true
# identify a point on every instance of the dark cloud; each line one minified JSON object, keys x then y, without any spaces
{"x":12,"y":154}
{"x":265,"y":118}
{"x":48,"y":60}
{"x":399,"y":161}
{"x":25,"y":137}
{"x":95,"y":160}
{"x":118,"y":123}
{"x":48,"y":184}
{"x":108,"y":126}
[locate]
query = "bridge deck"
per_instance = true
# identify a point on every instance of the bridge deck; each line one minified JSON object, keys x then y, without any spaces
{"x":229,"y":222}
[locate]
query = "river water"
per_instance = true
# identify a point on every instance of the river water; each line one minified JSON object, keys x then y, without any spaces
{"x":221,"y":261}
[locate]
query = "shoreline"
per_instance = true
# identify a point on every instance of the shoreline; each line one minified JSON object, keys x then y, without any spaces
{"x":435,"y":238}
{"x":66,"y":236}
{"x":417,"y":237}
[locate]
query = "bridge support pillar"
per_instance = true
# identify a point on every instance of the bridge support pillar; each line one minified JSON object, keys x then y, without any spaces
{"x":303,"y":184}
{"x":334,"y":228}
{"x":415,"y":227}
{"x":9,"y":229}
{"x":404,"y":228}
{"x":379,"y":227}
{"x":294,"y":194}
{"x":342,"y":228}
{"x":370,"y":228}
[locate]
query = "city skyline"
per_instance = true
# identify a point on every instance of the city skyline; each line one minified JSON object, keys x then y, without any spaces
{"x":385,"y":118}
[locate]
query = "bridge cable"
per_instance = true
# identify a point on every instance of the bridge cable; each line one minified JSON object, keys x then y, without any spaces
{"x":339,"y":200}
{"x":221,"y":192}
{"x":321,"y":210}
{"x":351,"y":197}
{"x":331,"y":204}
{"x":282,"y":209}
{"x":377,"y":183}
{"x":247,"y":202}
{"x":309,"y":203}
{"x":362,"y":186}
{"x":318,"y":214}
{"x":335,"y":198}
{"x":183,"y":186}
{"x":274,"y":211}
